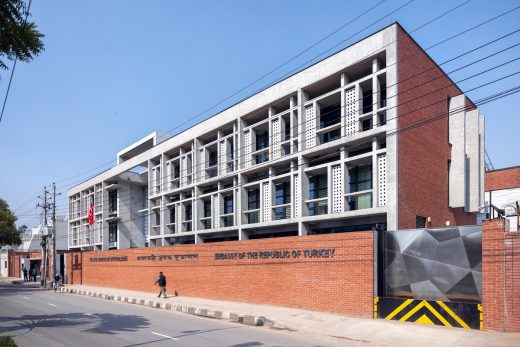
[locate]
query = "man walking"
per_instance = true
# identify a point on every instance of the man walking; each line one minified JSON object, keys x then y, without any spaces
{"x":161,"y":282}
{"x":25,"y":278}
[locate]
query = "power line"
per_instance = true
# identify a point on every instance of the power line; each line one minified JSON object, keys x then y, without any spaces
{"x":420,"y":27}
{"x":399,"y":93}
{"x":406,"y":102}
{"x":485,"y":100}
{"x":465,"y":31}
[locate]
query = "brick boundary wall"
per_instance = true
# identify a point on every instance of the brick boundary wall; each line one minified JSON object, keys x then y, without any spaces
{"x":338,"y":280}
{"x":500,"y":277}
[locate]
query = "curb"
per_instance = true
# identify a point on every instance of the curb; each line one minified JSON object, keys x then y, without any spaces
{"x":197,"y":311}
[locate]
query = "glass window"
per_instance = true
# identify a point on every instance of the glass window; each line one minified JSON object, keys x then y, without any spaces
{"x":253,"y":199}
{"x":360,"y":178}
{"x":282,"y":193}
{"x":330,"y":115}
{"x":318,"y":186}
{"x":207,"y":208}
{"x":212,"y":158}
{"x":228,"y":204}
{"x":112,"y":232}
{"x":187,"y":210}
{"x":262,"y":140}
{"x":112,"y":203}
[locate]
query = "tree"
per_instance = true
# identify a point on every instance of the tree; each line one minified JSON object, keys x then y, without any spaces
{"x":9,"y":235}
{"x":18,"y":39}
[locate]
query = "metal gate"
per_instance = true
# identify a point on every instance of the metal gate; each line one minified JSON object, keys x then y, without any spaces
{"x":431,"y":276}
{"x":450,"y":314}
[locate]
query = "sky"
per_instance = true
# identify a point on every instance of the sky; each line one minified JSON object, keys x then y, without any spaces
{"x":114,"y":71}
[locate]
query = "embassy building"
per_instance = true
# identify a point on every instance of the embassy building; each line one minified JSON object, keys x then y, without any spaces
{"x":374,"y":136}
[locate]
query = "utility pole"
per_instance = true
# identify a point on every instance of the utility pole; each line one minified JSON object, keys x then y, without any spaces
{"x":53,"y":230}
{"x":45,"y":206}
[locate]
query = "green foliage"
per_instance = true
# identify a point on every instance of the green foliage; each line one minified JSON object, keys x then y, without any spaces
{"x":9,"y":235}
{"x":17,"y":40}
{"x":6,"y":341}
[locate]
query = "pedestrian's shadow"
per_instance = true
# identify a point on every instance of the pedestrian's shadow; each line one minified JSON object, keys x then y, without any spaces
{"x":102,"y":323}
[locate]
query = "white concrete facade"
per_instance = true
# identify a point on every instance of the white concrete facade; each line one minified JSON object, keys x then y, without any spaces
{"x":307,"y":155}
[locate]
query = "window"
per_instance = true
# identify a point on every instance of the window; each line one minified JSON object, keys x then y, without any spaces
{"x":207,"y":208}
{"x":318,"y":187}
{"x":112,"y":232}
{"x":187,"y":212}
{"x":317,"y":208}
{"x":382,"y":101}
{"x":262,"y":140}
{"x":382,"y":118}
{"x":176,"y":171}
{"x":282,"y":193}
{"x":261,"y":158}
{"x":366,"y":124}
{"x":360,"y":178}
{"x":367,"y":101}
{"x":420,"y":222}
{"x":330,"y":115}
{"x":287,"y":133}
{"x":330,"y":136}
{"x":172,"y":215}
{"x":112,"y":203}
{"x":212,"y":158}
{"x":253,"y":199}
{"x":228,"y":204}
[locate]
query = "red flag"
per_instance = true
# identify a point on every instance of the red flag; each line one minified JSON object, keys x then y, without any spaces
{"x":91,"y":213}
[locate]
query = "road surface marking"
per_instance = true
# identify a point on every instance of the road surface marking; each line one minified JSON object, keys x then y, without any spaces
{"x":168,"y":337}
{"x":52,"y":305}
{"x":25,"y":297}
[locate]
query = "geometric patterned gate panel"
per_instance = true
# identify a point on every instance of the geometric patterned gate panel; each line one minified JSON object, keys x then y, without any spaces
{"x":432,"y":264}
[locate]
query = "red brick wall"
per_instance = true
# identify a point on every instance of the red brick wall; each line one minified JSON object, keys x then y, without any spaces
{"x":500,"y":277}
{"x":502,"y":179}
{"x":423,"y":149}
{"x":342,"y":283}
{"x":512,"y":281}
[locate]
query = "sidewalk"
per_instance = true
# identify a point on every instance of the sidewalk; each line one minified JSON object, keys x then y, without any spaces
{"x":373,"y":331}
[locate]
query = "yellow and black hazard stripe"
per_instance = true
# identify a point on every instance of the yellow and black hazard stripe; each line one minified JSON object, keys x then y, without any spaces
{"x":450,"y":314}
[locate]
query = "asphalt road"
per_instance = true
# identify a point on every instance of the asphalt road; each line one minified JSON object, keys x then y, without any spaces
{"x":34,"y":317}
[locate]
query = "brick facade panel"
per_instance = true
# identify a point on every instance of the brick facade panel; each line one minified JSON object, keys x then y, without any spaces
{"x":502,"y":179}
{"x":423,"y":148}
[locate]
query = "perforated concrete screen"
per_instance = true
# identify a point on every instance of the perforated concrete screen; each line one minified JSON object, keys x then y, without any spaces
{"x":337,"y":189}
{"x":381,"y":163}
{"x":222,"y":157}
{"x":216,"y":210}
{"x":351,"y":111}
{"x":247,"y":149}
{"x":310,"y":125}
{"x":296,"y":196}
{"x":432,"y":264}
{"x":276,"y":139}
{"x":267,"y":201}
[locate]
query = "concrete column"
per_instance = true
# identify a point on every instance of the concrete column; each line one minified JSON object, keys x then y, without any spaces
{"x":375,"y":185}
{"x":302,"y":98}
